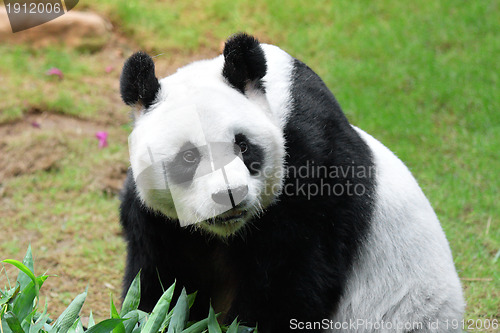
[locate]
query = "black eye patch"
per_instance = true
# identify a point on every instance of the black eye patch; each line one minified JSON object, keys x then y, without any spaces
{"x":184,"y":165}
{"x":253,"y":155}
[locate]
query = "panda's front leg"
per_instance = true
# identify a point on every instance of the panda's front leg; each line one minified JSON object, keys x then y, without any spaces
{"x":288,"y":288}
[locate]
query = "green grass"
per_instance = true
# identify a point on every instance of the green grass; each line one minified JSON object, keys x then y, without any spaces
{"x":84,"y":92}
{"x":422,"y":77}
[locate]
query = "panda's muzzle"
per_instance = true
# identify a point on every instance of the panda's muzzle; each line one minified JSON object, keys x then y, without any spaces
{"x":230,"y":197}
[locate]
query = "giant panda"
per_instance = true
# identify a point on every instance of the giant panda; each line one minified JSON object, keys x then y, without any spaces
{"x":249,"y":185}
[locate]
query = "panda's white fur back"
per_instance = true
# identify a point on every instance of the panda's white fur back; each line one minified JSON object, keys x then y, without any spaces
{"x":404,"y":272}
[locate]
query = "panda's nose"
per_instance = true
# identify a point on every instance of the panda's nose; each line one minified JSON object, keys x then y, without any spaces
{"x":231,"y":196}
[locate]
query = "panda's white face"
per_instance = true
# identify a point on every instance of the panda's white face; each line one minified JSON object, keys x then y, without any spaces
{"x":205,"y":153}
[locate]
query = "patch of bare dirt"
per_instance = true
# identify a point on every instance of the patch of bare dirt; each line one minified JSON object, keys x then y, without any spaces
{"x":46,"y":121}
{"x":29,"y":145}
{"x":110,"y":178}
{"x":29,"y":157}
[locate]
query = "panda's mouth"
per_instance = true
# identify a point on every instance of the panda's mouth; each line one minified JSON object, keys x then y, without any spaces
{"x":228,"y":217}
{"x":226,"y":224}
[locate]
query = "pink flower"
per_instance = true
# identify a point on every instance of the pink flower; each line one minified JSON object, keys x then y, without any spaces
{"x":103,"y":139}
{"x":35,"y":124}
{"x":55,"y":71}
{"x":109,"y":69}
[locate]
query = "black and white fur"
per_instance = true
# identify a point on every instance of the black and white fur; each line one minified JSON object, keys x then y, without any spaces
{"x":380,"y":256}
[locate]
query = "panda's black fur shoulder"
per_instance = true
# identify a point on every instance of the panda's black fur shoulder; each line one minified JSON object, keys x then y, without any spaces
{"x":293,"y":262}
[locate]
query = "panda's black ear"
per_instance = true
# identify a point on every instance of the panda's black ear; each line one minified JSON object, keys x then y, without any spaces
{"x":138,"y":83}
{"x":244,"y":62}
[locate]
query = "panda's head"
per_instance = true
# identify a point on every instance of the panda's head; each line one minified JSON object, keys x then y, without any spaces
{"x":205,"y":149}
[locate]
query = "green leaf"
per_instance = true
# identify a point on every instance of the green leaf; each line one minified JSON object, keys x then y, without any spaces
{"x":69,"y":315}
{"x":27,"y":320}
{"x":132,"y":318}
{"x":105,"y":326}
{"x":191,"y":298}
{"x":166,"y":321}
{"x":23,"y":305}
{"x":13,"y":322}
{"x":213,"y":325}
{"x":197,"y":327}
{"x":91,"y":320}
{"x":114,"y":314}
{"x":24,"y":269}
{"x":40,"y":322}
{"x":159,"y":312}
{"x":77,"y":327}
{"x":22,"y":278}
{"x":5,"y":327}
{"x":234,"y":326}
{"x":10,"y":294}
{"x":113,"y":311}
{"x":143,"y":317}
{"x":180,"y":314}
{"x":133,"y":297}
